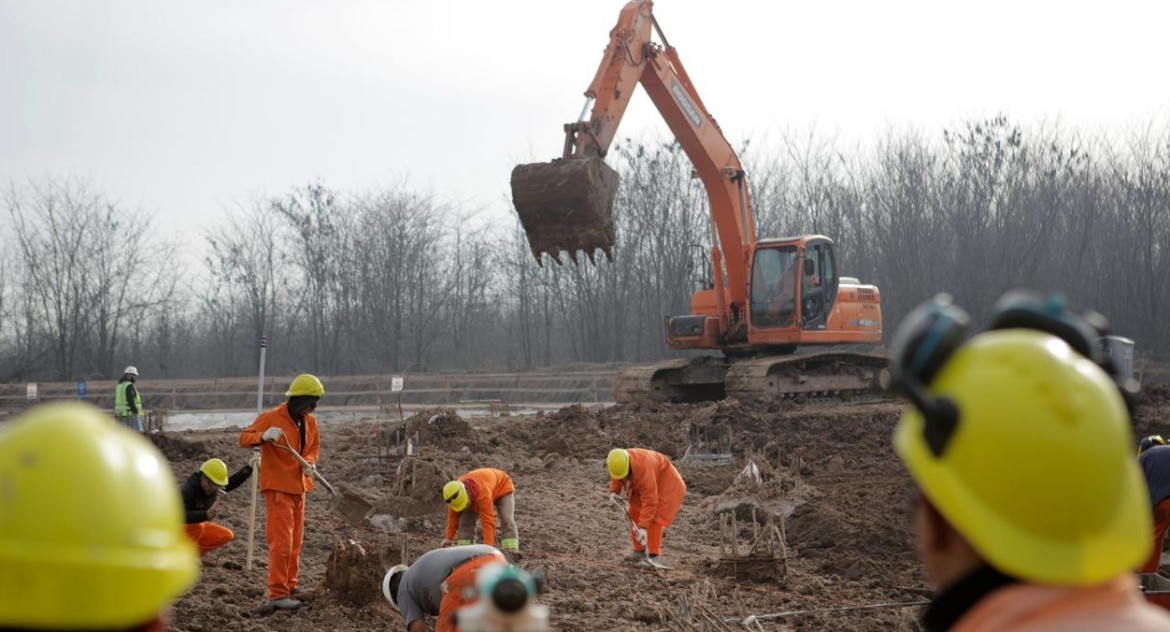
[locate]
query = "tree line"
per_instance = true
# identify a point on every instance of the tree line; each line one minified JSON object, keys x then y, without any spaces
{"x":396,"y":279}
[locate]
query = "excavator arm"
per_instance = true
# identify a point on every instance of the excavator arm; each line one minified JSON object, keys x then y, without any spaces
{"x":567,"y":204}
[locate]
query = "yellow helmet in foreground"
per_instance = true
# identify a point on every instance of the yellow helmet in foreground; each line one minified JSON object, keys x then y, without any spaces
{"x":618,"y":463}
{"x":1038,"y":474}
{"x":305,"y":384}
{"x":216,"y":471}
{"x":91,"y":524}
{"x":455,"y":495}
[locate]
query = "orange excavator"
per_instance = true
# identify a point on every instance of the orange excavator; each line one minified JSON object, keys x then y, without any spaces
{"x":787,"y":323}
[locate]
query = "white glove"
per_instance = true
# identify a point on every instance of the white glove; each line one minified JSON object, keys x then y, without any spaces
{"x":272,"y":434}
{"x":642,"y":537}
{"x":617,"y":498}
{"x":254,"y":460}
{"x":310,"y":470}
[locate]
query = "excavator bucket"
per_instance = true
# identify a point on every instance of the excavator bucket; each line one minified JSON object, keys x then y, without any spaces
{"x":566,"y":204}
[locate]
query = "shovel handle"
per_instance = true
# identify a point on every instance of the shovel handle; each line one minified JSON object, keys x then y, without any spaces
{"x":305,"y":463}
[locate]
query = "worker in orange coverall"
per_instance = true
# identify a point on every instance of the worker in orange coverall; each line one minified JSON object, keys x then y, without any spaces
{"x":284,"y":482}
{"x":655,"y":490}
{"x":485,"y":491}
{"x":1154,"y":459}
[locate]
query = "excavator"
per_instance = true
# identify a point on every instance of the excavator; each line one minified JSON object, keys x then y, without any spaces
{"x":787,"y":324}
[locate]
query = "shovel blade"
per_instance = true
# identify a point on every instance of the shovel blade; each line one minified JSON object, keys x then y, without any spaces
{"x":352,"y":507}
{"x":655,"y":564}
{"x":566,"y":205}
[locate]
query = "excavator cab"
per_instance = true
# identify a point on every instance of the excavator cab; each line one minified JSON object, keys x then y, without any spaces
{"x":793,"y":284}
{"x":773,"y":286}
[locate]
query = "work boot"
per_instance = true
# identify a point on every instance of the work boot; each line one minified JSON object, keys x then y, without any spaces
{"x":634,"y":557}
{"x":299,"y":594}
{"x":512,"y":555}
{"x":284,"y":603}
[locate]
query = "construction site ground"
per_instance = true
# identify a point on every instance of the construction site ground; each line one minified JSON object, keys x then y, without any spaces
{"x":829,"y":470}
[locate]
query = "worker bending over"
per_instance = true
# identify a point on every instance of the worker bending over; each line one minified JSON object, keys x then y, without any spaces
{"x":199,"y":492}
{"x":1031,"y":512}
{"x":90,"y":534}
{"x":1154,"y":459}
{"x":485,"y":491}
{"x":655,"y":491}
{"x":290,"y":426}
{"x":438,"y":584}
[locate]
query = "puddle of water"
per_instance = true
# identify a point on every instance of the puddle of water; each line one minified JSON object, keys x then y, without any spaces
{"x":210,"y":420}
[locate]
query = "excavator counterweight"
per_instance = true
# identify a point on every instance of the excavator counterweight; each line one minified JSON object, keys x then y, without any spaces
{"x":566,"y":204}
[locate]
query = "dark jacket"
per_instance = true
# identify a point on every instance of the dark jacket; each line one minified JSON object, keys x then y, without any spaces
{"x":196,"y":503}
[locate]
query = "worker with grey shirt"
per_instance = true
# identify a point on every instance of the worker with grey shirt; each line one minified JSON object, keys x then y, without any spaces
{"x":438,"y":584}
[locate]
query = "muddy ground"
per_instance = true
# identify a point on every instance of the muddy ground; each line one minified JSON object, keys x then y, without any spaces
{"x":828,"y":468}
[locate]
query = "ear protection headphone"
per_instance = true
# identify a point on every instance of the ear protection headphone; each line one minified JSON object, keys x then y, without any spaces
{"x":933,"y":331}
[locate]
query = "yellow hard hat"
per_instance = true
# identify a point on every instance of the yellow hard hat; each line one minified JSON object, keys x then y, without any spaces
{"x":1037,"y":472}
{"x":91,"y":524}
{"x":618,"y":463}
{"x":455,"y":495}
{"x":1150,"y":442}
{"x":215,"y":470}
{"x":305,"y":384}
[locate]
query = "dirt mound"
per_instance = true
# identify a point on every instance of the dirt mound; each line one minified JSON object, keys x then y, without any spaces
{"x":582,"y":432}
{"x":176,"y":449}
{"x":848,"y":543}
{"x":436,"y":424}
{"x":1157,"y":394}
{"x":353,"y":572}
{"x":421,"y":481}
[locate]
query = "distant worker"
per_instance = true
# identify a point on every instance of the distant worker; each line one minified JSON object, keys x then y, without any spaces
{"x":199,"y":492}
{"x":1031,"y":513}
{"x":284,"y":482}
{"x":127,"y":401}
{"x":90,"y":529}
{"x":655,"y":491}
{"x":1154,"y":459}
{"x":438,"y":584}
{"x":485,"y":491}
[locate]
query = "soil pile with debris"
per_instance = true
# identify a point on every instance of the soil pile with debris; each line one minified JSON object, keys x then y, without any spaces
{"x":829,"y":469}
{"x":435,"y":424}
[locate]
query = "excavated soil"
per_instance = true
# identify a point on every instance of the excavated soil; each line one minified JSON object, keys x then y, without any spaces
{"x":566,"y":205}
{"x":829,"y":470}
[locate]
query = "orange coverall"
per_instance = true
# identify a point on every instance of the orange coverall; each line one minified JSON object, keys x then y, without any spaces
{"x":1161,"y":524}
{"x":1114,"y":605}
{"x":484,"y":487}
{"x":208,"y":536}
{"x":284,"y":487}
{"x":459,"y":590}
{"x":655,"y":490}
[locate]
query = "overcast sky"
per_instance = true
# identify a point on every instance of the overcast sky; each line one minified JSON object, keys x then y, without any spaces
{"x":183,"y":107}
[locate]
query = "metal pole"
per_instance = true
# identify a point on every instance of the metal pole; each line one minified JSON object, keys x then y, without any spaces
{"x":256,"y":475}
{"x":260,"y":391}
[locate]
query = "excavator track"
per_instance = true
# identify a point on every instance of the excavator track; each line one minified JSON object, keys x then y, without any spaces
{"x":679,"y":380}
{"x":826,"y":374}
{"x":758,"y":379}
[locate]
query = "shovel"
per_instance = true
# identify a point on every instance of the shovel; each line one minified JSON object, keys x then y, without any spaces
{"x":648,"y":561}
{"x":351,"y":506}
